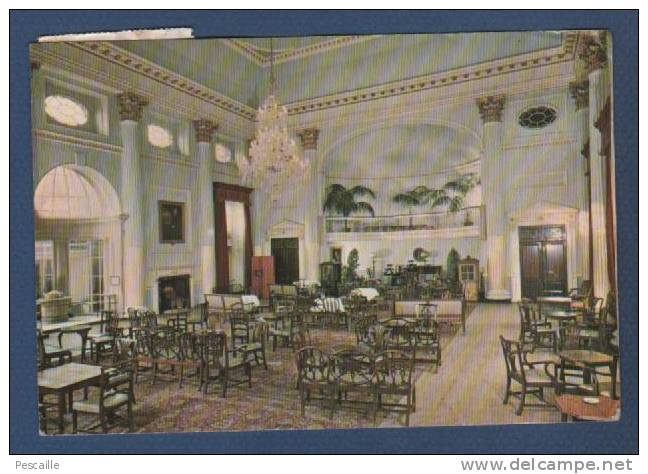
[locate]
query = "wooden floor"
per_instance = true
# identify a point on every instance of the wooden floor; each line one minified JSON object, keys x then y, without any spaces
{"x":469,"y":388}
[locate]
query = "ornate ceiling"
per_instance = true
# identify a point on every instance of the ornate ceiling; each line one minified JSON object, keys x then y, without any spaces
{"x":308,"y":68}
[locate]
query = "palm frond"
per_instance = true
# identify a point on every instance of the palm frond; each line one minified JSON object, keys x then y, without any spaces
{"x":407,"y":199}
{"x":364,"y":207}
{"x":360,"y":191}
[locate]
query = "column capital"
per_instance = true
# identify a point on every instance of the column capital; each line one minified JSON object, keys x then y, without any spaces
{"x":131,"y":106}
{"x":308,"y":137}
{"x":204,"y":130}
{"x":491,"y":107}
{"x":592,"y":52}
{"x":580,"y":93}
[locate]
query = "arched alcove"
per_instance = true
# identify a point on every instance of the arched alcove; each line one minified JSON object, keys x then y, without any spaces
{"x":78,"y":238}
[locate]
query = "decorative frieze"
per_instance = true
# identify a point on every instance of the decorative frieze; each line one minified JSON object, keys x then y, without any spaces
{"x":580,"y":93}
{"x":593,"y":52}
{"x":204,"y":130}
{"x":491,"y":108}
{"x":131,"y":106}
{"x":308,"y":137}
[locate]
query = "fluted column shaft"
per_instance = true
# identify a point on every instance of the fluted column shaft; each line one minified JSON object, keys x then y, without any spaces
{"x":492,"y":178}
{"x":594,"y":56}
{"x":205,"y":229}
{"x":598,"y":184}
{"x":580,"y":93}
{"x":132,"y":200}
{"x":312,"y":211}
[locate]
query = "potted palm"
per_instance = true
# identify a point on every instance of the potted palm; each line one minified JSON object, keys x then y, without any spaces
{"x":340,"y":200}
{"x":408,"y":199}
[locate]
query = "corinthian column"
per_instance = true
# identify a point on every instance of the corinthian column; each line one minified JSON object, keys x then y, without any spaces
{"x":313,"y":217}
{"x":493,"y":172}
{"x":132,"y":199}
{"x":204,"y":133}
{"x":580,"y":92}
{"x":594,"y":57}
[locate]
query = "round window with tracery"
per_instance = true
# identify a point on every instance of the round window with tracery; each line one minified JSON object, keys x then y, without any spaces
{"x":66,"y":111}
{"x":537,"y":117}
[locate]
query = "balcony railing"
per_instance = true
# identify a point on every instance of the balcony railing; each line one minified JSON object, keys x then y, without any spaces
{"x":466,"y":217}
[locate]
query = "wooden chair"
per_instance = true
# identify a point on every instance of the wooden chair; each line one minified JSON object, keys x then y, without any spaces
{"x":256,"y":344}
{"x":50,"y":356}
{"x":115,"y":393}
{"x":399,"y":335}
{"x":353,"y":371}
{"x":532,"y":381}
{"x":240,"y":328}
{"x":103,"y":344}
{"x":581,"y":296}
{"x":313,"y":378}
{"x":534,"y":330}
{"x":165,"y":351}
{"x":290,"y":324}
{"x":221,"y":363}
{"x":394,"y":372}
{"x":572,"y":378}
{"x":426,"y":339}
{"x":191,"y":357}
{"x":134,"y":319}
{"x":362,"y":324}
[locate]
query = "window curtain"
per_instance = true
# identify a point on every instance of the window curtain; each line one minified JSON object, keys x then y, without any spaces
{"x":229,"y":192}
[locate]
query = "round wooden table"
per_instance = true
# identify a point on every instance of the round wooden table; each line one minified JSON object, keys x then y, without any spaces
{"x":575,"y":407}
{"x":563,"y":315}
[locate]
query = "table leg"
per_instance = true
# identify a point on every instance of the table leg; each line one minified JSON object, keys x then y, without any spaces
{"x":61,"y":410}
{"x":84,"y":340}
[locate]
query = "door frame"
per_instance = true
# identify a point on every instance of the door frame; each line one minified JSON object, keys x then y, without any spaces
{"x":288,"y":229}
{"x":299,"y":271}
{"x":543,"y":214}
{"x":542,"y":260}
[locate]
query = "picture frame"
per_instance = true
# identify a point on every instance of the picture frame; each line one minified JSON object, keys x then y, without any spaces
{"x":171,"y":222}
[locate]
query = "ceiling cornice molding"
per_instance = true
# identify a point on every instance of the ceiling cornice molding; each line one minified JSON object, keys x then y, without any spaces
{"x":565,"y":52}
{"x":136,"y":64}
{"x":423,"y":105}
{"x":261,"y":56}
{"x":113,"y":81}
{"x":151,"y":70}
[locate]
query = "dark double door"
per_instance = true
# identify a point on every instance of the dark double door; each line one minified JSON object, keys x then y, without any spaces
{"x":286,"y":260}
{"x":543,"y":261}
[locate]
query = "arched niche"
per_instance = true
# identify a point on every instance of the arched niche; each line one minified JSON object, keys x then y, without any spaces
{"x":77,"y":215}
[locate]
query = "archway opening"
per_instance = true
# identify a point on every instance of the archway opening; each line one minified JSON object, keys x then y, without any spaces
{"x":77,"y":236}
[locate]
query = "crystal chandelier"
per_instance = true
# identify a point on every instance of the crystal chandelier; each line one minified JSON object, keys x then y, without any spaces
{"x":273,"y":153}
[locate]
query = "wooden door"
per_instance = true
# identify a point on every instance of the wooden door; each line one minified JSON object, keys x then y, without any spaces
{"x":286,"y":260}
{"x":554,"y":273}
{"x":530,"y":270}
{"x":543,"y":261}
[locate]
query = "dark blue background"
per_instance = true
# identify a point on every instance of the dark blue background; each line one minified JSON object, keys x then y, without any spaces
{"x":620,"y":437}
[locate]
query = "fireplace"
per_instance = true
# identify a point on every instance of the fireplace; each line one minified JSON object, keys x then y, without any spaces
{"x":173,"y":292}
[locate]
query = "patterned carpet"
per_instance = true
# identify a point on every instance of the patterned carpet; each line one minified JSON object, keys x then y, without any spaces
{"x":272,"y":402}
